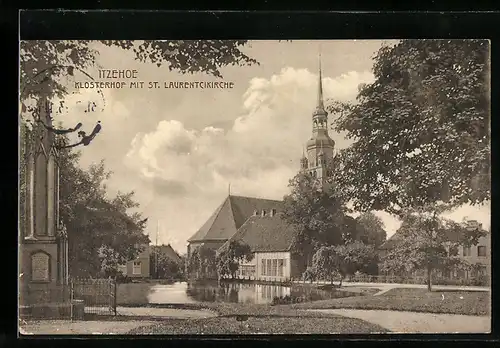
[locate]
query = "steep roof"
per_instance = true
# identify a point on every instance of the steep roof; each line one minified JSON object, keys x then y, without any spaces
{"x":231,"y":215}
{"x":169,"y":251}
{"x":266,"y":234}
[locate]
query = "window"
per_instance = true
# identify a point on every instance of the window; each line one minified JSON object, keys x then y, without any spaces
{"x":466,"y":251}
{"x":275,"y":268}
{"x":280,"y":268}
{"x":263,"y":267}
{"x":269,"y":267}
{"x":481,"y":251}
{"x":481,"y":271}
{"x":136,"y":269}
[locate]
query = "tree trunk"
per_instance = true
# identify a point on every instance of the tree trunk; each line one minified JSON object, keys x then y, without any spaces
{"x":429,"y":279}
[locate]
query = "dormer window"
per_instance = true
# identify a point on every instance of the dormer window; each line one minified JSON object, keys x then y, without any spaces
{"x":263,"y":213}
{"x":255,"y":213}
{"x":273,"y":212}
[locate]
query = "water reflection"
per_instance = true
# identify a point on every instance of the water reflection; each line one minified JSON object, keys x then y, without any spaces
{"x":175,"y":293}
{"x":235,"y":292}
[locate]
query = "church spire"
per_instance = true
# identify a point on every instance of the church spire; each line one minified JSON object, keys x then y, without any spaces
{"x":320,"y":105}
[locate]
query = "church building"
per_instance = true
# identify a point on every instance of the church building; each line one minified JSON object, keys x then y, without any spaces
{"x":258,"y":223}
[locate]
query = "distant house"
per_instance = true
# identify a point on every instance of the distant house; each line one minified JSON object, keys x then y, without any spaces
{"x":479,"y":254}
{"x":140,"y":266}
{"x":168,"y":251}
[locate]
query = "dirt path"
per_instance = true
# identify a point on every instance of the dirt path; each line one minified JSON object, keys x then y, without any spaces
{"x":66,"y":327}
{"x":411,"y":322}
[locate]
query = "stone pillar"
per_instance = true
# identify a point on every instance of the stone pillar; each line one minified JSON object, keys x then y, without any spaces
{"x":29,"y":206}
{"x":51,"y":195}
{"x":39,"y":254}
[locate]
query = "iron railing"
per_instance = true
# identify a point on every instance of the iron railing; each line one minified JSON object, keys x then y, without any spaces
{"x":81,"y":297}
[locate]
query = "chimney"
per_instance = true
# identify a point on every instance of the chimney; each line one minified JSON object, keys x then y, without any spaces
{"x":273,"y":212}
{"x":263,"y":213}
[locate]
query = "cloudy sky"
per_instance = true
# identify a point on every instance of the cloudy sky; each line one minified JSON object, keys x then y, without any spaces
{"x":179,"y":149}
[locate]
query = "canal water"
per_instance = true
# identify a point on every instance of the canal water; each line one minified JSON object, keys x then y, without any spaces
{"x":182,"y":292}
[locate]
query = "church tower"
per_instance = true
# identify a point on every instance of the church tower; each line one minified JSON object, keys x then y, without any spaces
{"x":320,"y":146}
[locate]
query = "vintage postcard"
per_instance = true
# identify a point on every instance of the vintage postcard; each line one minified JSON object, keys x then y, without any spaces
{"x":254,"y":187}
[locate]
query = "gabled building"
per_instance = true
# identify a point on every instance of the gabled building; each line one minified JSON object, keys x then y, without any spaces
{"x":140,"y":267}
{"x":270,"y":238}
{"x":227,"y":219}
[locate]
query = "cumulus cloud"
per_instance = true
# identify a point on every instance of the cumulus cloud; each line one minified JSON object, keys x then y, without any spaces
{"x":258,"y":154}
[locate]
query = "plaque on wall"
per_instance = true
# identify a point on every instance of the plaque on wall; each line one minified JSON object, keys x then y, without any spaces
{"x":40,"y":267}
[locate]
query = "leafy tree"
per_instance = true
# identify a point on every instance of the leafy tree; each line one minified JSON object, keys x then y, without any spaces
{"x":325,"y":264}
{"x":429,"y":242}
{"x":38,"y":59}
{"x":338,"y":261}
{"x":228,"y":259}
{"x":202,"y":263}
{"x":421,"y":129}
{"x":164,"y":267}
{"x":311,"y":273}
{"x":370,"y":229}
{"x":93,"y":220}
{"x":318,"y":213}
{"x":110,"y":260}
{"x":356,"y":257}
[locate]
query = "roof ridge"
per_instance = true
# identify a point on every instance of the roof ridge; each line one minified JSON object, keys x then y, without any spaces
{"x":265,"y":199}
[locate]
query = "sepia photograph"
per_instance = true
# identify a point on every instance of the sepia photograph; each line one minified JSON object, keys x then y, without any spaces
{"x":233,"y":187}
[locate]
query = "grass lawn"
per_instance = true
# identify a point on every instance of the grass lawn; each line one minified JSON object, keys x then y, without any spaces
{"x":260,"y":319}
{"x":413,"y":300}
